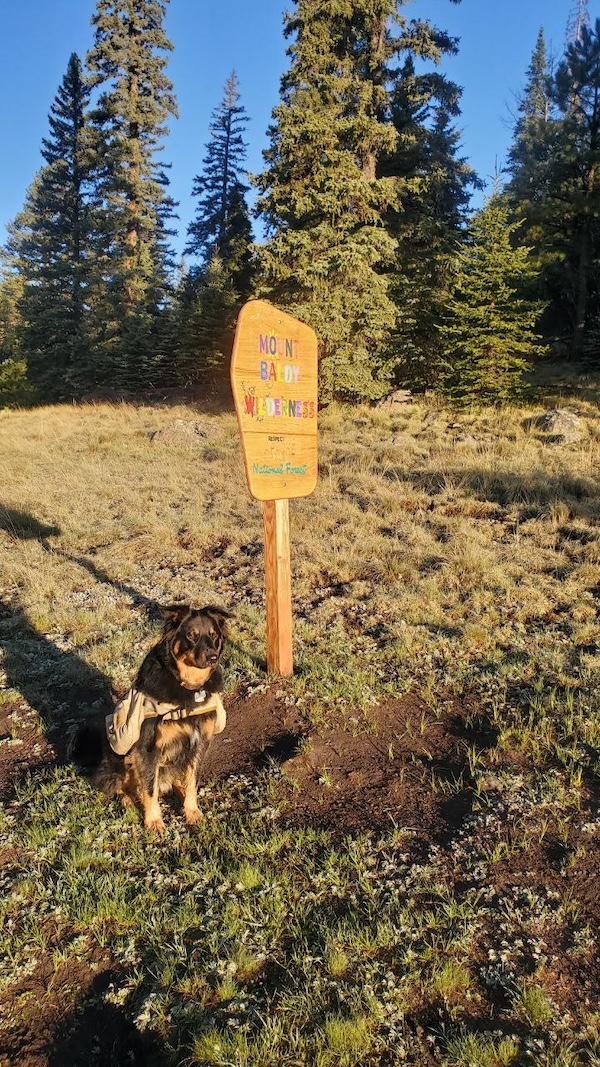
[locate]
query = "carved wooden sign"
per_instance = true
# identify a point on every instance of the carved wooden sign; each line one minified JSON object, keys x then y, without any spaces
{"x":274,"y":382}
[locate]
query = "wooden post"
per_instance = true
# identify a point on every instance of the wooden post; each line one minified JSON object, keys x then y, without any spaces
{"x":274,"y":380}
{"x":278,"y":587}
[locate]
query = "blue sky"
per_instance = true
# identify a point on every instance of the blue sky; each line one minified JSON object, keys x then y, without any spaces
{"x":214,"y":37}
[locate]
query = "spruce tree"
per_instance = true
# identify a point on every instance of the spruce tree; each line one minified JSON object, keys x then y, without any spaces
{"x":428,"y":220}
{"x":555,"y":187}
{"x":209,"y":307}
{"x":327,"y":195}
{"x":490,"y":340}
{"x":528,"y":154}
{"x":222,"y":221}
{"x":51,"y":245}
{"x":127,"y":65}
{"x":576,"y":180}
{"x":529,"y":189}
{"x":321,"y":200}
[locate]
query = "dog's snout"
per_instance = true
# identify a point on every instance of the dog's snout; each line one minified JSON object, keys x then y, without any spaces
{"x":212,"y":656}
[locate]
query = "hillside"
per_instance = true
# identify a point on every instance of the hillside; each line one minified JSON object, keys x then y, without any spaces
{"x":399,"y":859}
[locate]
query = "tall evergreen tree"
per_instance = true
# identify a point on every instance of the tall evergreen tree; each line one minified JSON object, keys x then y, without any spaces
{"x":428,"y":220}
{"x":321,"y":200}
{"x":555,"y":186}
{"x":325,"y":195}
{"x":489,"y":340}
{"x":127,"y":64}
{"x":222,"y":222}
{"x":209,"y":307}
{"x":51,"y":244}
{"x":577,"y":173}
{"x":531,"y":157}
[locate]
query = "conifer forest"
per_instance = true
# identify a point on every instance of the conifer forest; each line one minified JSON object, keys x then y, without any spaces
{"x":363,"y":207}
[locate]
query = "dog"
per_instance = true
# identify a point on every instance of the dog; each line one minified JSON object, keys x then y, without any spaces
{"x":158,"y":734}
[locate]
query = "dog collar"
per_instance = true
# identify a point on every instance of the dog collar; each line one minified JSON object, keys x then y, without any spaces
{"x":200,"y":696}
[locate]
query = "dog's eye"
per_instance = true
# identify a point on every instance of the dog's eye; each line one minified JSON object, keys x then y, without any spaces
{"x":193,"y":635}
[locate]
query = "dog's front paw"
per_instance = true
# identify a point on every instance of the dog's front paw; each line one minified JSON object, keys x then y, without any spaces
{"x":193,"y":816}
{"x":154,"y":826}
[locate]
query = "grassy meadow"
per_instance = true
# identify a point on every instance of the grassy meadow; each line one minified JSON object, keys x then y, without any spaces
{"x":454,"y":557}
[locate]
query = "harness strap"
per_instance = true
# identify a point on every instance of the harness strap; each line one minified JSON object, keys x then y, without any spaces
{"x":124,"y":724}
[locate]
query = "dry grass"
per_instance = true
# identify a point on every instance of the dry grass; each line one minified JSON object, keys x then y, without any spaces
{"x":440,"y":555}
{"x":468,"y":546}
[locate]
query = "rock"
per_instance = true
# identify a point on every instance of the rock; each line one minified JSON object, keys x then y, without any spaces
{"x":392,"y":400}
{"x":183,"y":433}
{"x":468,"y":442}
{"x":562,"y":425}
{"x":403,"y":440}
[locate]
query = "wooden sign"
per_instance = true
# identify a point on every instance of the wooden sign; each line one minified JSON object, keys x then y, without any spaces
{"x":274,"y":383}
{"x":274,"y":379}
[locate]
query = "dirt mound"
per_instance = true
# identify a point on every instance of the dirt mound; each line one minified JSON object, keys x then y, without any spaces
{"x":368,"y":772}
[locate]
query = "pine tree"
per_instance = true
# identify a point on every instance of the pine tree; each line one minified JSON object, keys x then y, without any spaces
{"x":428,"y":220}
{"x":127,"y":64}
{"x":51,"y":246}
{"x":532,"y":151}
{"x":555,"y":186}
{"x":222,"y":222}
{"x":489,"y":340}
{"x":329,"y":190}
{"x":321,"y":200}
{"x":529,"y":191}
{"x":209,"y":307}
{"x":576,"y":175}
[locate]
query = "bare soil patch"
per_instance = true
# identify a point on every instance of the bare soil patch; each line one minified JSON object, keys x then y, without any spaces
{"x":398,"y":765}
{"x":58,"y":1016}
{"x":361,"y":774}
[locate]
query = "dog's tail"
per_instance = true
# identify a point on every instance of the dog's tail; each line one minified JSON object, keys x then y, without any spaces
{"x":89,"y":751}
{"x":86,"y":746}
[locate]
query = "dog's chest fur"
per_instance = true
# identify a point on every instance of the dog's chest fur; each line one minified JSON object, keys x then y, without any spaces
{"x":181,"y":746}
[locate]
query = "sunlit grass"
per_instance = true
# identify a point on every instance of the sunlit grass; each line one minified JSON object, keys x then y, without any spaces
{"x":450,"y":558}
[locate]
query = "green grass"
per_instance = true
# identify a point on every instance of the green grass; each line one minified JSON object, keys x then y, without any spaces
{"x":421,"y":564}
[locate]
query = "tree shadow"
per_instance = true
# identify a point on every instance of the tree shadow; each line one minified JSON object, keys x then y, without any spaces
{"x":24,"y":527}
{"x":104,"y":1037}
{"x":104,"y":578}
{"x":533,"y":492}
{"x":211,"y":395}
{"x":73,"y":1023}
{"x":57,"y":684}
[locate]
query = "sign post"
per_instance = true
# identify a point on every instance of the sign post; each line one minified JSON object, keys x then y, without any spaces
{"x":274,"y":382}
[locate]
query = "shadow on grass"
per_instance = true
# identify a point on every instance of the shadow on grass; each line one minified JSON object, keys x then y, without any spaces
{"x":535,"y":490}
{"x":56,"y":683}
{"x":99,"y":1034}
{"x":103,"y":578}
{"x":24,"y":527}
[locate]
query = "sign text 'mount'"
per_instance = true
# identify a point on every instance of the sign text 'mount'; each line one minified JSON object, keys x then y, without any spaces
{"x":274,"y":381}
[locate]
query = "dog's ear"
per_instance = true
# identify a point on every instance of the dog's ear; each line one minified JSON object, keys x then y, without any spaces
{"x":174,"y":615}
{"x":219,"y":615}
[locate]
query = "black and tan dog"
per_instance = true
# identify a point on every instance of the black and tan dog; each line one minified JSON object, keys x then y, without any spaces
{"x":156,"y":737}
